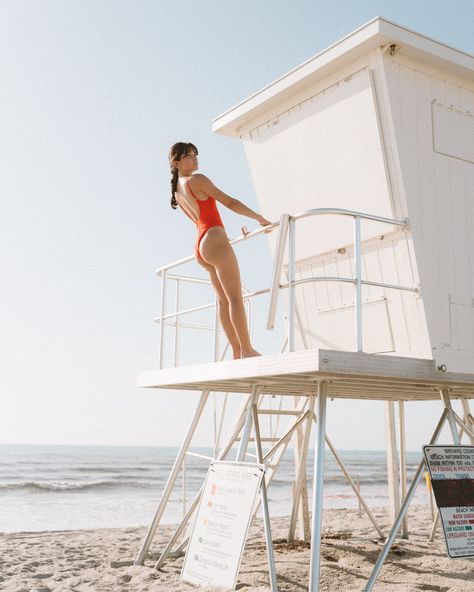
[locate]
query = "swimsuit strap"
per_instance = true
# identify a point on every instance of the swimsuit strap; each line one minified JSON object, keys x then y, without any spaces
{"x":192,"y":192}
{"x":189,"y":187}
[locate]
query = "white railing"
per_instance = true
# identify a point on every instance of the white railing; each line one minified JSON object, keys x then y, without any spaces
{"x":165,"y":275}
{"x":287,"y":233}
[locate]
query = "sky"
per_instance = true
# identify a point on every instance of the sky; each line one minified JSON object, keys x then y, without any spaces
{"x":93,"y":94}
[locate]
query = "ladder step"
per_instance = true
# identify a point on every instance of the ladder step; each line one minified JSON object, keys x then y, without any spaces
{"x":261,"y":439}
{"x":266,"y":466}
{"x":278,"y":412}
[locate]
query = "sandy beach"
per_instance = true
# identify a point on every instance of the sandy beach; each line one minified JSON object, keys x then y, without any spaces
{"x":102,"y":560}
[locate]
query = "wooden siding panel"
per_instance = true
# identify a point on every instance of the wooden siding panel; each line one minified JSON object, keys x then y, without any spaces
{"x":439,"y":191}
{"x":394,"y":300}
{"x":334,"y":290}
{"x":345,"y":269}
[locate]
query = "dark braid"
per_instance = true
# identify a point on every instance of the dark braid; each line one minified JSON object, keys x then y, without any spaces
{"x":177,"y":151}
{"x":174,"y":187}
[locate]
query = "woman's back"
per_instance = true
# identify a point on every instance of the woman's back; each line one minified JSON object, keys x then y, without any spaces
{"x":186,"y":201}
{"x":203,"y":212}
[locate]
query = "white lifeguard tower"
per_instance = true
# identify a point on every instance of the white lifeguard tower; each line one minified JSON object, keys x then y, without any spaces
{"x":380,"y":122}
{"x":365,"y":155}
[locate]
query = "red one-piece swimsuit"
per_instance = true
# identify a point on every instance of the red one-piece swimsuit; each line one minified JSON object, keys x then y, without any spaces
{"x":208,"y":217}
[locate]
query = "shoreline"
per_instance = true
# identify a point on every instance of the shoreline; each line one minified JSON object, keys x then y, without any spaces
{"x":98,"y":560}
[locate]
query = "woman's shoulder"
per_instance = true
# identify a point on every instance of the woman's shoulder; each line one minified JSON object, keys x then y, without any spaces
{"x":199,"y":180}
{"x":201,"y":185}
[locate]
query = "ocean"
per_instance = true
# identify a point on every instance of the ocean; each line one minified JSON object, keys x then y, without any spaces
{"x":79,"y":487}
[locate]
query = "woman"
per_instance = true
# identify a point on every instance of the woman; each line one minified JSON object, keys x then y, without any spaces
{"x":196,"y":195}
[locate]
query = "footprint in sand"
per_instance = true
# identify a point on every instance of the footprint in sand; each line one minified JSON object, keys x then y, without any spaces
{"x":126,"y":578}
{"x":330,"y":558}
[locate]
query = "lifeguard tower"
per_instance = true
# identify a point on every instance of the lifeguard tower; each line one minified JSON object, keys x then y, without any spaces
{"x":365,"y":156}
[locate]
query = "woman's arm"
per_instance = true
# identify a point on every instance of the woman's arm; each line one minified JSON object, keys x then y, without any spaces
{"x":207,"y":186}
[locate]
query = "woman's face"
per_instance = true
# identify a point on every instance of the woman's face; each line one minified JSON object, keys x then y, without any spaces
{"x":188,"y":163}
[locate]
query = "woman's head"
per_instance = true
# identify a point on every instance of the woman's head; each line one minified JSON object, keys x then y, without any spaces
{"x":181,"y":158}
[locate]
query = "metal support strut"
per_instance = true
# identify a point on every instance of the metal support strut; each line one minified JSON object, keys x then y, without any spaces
{"x":172,"y":478}
{"x":252,"y":418}
{"x":449,"y":415}
{"x":318,"y":491}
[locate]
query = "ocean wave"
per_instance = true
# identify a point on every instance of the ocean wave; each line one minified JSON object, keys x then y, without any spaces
{"x":113,"y":469}
{"x":64,"y":486}
{"x":329,"y":480}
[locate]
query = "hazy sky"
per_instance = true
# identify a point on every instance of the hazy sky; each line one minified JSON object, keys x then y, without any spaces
{"x":93,"y":93}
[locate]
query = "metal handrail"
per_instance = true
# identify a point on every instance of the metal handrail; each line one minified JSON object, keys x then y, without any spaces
{"x":351,"y":213}
{"x":246,"y":295}
{"x":288,"y":230}
{"x":287,"y":226}
{"x":233,"y":241}
{"x":336,"y":278}
{"x":189,"y":279}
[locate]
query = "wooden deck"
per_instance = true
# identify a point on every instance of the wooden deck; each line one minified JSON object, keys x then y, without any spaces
{"x":348,"y":375}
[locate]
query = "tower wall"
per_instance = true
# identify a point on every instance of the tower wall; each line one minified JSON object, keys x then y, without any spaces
{"x":380,"y":122}
{"x":433,"y":121}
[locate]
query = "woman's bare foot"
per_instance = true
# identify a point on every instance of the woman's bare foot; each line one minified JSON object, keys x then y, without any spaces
{"x":250,"y":353}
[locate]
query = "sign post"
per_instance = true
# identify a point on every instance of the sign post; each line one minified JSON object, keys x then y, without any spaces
{"x":452,"y":479}
{"x":221,"y":526}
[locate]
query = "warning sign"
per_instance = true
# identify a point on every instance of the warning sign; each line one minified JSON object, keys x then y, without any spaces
{"x":223,"y":518}
{"x":452,"y":478}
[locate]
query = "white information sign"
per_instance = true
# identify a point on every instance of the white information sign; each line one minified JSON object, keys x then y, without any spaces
{"x":452,"y":478}
{"x":220,"y":529}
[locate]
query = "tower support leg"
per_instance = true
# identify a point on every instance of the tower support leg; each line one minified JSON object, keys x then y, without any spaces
{"x":468,"y":420}
{"x":172,"y":478}
{"x":403,"y":463}
{"x":222,"y":455}
{"x":355,"y":488}
{"x":447,"y":415}
{"x":392,"y":461}
{"x":300,"y":499}
{"x":456,"y":439}
{"x":263,"y":495}
{"x":315,"y":561}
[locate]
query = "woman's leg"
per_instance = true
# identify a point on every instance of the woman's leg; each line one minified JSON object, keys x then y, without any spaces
{"x":223,"y":311}
{"x":217,"y":251}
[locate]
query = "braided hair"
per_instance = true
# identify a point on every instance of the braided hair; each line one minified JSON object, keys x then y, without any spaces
{"x":177,"y":151}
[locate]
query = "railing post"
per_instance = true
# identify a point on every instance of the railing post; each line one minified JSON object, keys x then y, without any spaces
{"x":358,"y":283}
{"x":250,"y":315}
{"x":216,"y":331}
{"x":183,"y":469}
{"x":291,"y":283}
{"x":162,"y":314}
{"x":277,"y":265}
{"x":403,"y":462}
{"x":176,"y":326}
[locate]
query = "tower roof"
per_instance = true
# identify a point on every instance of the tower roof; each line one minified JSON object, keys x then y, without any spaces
{"x":378,"y":32}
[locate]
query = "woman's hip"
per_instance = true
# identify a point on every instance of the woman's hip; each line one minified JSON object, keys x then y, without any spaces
{"x":214,"y":243}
